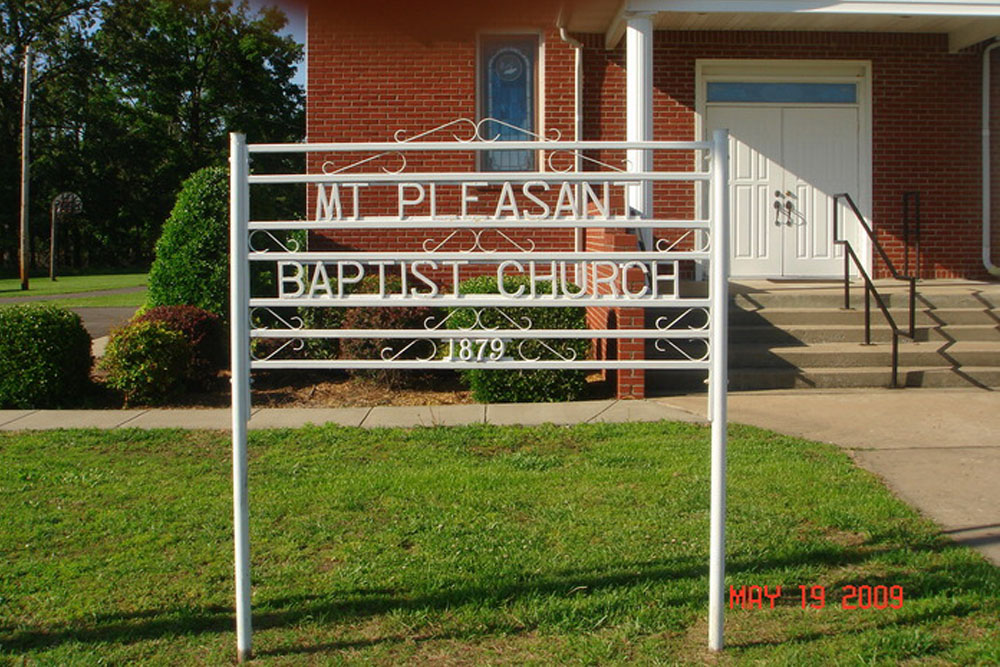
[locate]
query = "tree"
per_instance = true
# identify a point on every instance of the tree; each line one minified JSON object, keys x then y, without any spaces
{"x":137,"y":95}
{"x":56,"y":31}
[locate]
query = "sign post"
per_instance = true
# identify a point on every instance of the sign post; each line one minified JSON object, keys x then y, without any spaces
{"x":451,"y":225}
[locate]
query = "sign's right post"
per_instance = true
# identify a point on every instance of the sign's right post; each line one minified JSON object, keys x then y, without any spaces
{"x":718,"y":383}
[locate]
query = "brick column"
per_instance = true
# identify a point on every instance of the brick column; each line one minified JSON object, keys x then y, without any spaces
{"x":628,"y":383}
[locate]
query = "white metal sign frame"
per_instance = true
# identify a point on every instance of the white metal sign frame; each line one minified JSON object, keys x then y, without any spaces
{"x":455,"y":242}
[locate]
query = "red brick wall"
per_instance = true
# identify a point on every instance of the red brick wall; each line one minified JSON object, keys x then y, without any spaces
{"x":365,"y":83}
{"x":628,"y":384}
{"x":926,"y":122}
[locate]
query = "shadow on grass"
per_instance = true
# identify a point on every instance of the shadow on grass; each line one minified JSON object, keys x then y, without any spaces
{"x":366,"y":603}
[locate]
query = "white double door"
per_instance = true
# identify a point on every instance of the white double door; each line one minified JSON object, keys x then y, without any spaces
{"x":786,"y":163}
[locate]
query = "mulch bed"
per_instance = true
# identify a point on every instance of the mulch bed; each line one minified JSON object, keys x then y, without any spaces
{"x":329,"y":389}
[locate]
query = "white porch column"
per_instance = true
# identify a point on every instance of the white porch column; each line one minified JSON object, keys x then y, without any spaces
{"x":639,"y":110}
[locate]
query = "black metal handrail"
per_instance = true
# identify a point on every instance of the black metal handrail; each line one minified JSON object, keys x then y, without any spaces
{"x":911,"y":214}
{"x":870,"y":289}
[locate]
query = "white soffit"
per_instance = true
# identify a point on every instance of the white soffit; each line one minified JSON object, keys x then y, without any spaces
{"x":966,"y":22}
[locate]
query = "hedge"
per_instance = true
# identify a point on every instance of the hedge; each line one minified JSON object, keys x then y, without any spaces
{"x":509,"y":386}
{"x":45,"y":356}
{"x":148,"y":362}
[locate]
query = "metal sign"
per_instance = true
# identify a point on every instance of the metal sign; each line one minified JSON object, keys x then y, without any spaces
{"x":430,"y":225}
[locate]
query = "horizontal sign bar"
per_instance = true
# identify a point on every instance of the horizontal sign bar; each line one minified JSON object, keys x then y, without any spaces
{"x":480,"y":301}
{"x":479,"y":257}
{"x":458,"y":334}
{"x":424,"y":222}
{"x":416,"y":146}
{"x":592,"y":365}
{"x":478,"y":177}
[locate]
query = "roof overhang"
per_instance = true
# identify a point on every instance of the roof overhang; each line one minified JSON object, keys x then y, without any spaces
{"x":966,"y":22}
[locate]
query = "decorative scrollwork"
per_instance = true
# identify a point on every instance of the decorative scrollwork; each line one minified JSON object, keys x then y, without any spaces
{"x":259,"y":321}
{"x":432,"y":245}
{"x":295,"y":345}
{"x":667,"y":324}
{"x":569,"y":356}
{"x":288,"y":245}
{"x":551,"y":157}
{"x":660,"y":345}
{"x":329,"y":169}
{"x":400,"y":135}
{"x":388,"y":354}
{"x":477,"y":129}
{"x":478,"y":324}
{"x":665,"y":245}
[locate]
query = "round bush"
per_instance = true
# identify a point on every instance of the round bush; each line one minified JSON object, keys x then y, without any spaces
{"x":44,"y":356}
{"x":192,"y":256}
{"x":147,"y":361}
{"x":524,"y":386}
{"x":204,"y":333}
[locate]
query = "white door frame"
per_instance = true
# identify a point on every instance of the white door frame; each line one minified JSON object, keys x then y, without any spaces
{"x":812,"y":71}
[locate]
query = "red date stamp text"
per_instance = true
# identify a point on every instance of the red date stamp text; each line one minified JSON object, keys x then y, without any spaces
{"x":851,"y":596}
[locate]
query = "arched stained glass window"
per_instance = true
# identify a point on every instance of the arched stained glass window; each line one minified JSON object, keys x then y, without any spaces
{"x":507,"y":89}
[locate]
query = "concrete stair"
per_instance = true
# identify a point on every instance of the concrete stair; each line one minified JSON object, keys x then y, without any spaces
{"x":797,"y":335}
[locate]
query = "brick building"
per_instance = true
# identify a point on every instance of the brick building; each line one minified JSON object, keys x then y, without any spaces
{"x":876,"y":99}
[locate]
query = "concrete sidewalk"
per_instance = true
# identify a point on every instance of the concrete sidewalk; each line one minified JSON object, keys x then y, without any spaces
{"x":526,"y":414}
{"x":938,"y":450}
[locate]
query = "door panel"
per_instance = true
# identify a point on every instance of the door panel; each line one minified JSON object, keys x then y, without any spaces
{"x":820,"y":159}
{"x":798,"y":157}
{"x":754,"y":147}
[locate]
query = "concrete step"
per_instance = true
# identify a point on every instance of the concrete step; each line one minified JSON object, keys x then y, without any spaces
{"x":814,"y":316}
{"x":855,"y":333}
{"x":896,"y":295}
{"x":831,"y":378}
{"x":846,"y":355}
{"x":743,"y":379}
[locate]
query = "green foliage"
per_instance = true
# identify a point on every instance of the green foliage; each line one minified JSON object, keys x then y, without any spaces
{"x":192,"y":255}
{"x":202,"y":330}
{"x":44,"y":356}
{"x":522,"y":386}
{"x":385,"y":318}
{"x":147,"y":361}
{"x":130,"y":97}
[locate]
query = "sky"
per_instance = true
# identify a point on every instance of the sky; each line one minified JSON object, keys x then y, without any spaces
{"x":296,"y":13}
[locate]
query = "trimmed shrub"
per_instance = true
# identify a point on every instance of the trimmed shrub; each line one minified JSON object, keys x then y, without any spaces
{"x":44,"y":356}
{"x":147,"y":361}
{"x":385,"y":318}
{"x":523,"y":386}
{"x":325,"y":318}
{"x":204,"y":333}
{"x":192,"y":255}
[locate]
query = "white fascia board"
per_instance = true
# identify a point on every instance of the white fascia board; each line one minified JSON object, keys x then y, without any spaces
{"x":957,"y":39}
{"x":969,"y":35}
{"x":616,"y":30}
{"x":956,"y":8}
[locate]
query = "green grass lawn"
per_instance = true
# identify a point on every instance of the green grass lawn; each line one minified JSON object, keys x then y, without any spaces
{"x":466,"y":546}
{"x":10,"y":288}
{"x":41,"y":286}
{"x":127,"y":300}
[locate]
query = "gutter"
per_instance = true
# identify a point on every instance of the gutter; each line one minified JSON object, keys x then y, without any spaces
{"x":991,"y":268}
{"x":577,"y":105}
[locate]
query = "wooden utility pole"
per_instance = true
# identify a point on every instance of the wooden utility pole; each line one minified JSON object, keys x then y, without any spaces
{"x":25,"y":160}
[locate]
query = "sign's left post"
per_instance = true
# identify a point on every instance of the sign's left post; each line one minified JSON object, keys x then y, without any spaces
{"x":239,"y":327}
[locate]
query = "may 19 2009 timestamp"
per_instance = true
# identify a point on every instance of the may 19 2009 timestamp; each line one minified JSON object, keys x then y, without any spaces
{"x":815,"y":597}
